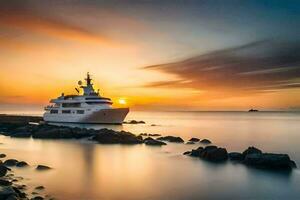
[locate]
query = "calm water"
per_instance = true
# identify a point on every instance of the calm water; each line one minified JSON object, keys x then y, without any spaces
{"x":85,"y":170}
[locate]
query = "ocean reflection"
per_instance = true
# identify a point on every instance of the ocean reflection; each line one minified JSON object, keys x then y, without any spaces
{"x":86,"y":170}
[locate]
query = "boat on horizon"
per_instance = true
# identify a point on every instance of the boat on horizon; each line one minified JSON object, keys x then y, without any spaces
{"x":89,"y":107}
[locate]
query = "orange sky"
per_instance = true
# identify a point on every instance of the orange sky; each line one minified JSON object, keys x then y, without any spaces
{"x":45,"y":54}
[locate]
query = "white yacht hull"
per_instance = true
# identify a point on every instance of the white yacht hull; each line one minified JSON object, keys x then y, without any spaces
{"x":103,"y":116}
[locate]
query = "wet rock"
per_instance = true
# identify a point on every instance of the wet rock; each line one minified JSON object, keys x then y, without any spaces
{"x":190,"y":142}
{"x":37,"y":198}
{"x":6,"y":192}
{"x":2,"y":155}
{"x":205,"y":141}
{"x":134,"y":122}
{"x":154,"y":134}
{"x":42,"y":167}
{"x":144,"y":134}
{"x":154,"y":142}
{"x":22,"y":164}
{"x":10,"y":162}
{"x":171,"y":139}
{"x":40,"y":187}
{"x":251,"y":150}
{"x":194,"y":139}
{"x":23,"y":134}
{"x":187,"y":153}
{"x":269,"y":161}
{"x":108,"y":136}
{"x":4,"y":182}
{"x":235,"y":156}
{"x":148,"y":138}
{"x":214,"y":154}
{"x":3,"y":170}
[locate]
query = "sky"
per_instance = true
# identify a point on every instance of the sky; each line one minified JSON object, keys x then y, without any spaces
{"x":154,"y":55}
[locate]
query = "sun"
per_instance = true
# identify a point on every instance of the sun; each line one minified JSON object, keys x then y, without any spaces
{"x":122,"y":101}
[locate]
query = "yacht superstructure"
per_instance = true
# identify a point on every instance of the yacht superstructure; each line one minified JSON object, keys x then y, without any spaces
{"x":89,"y":107}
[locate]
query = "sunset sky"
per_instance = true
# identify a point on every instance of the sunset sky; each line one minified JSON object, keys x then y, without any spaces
{"x":155,"y":55}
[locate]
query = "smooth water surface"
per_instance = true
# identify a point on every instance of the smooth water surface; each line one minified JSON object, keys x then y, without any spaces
{"x":86,"y":170}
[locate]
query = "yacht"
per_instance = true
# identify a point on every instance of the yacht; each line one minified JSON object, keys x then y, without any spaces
{"x":88,"y":106}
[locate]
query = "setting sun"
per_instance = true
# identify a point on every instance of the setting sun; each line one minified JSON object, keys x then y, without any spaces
{"x":122,"y":101}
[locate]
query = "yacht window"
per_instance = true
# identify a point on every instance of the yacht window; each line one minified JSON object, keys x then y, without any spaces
{"x":68,"y":105}
{"x":97,"y":98}
{"x":96,"y":103}
{"x":80,"y":111}
{"x":66,"y":111}
{"x":53,"y":111}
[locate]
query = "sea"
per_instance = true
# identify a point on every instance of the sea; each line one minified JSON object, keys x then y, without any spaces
{"x":85,"y":170}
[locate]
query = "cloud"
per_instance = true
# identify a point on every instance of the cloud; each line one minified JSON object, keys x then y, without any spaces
{"x":254,"y":67}
{"x":20,"y":17}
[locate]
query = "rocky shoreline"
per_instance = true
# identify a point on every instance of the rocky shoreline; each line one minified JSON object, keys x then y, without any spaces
{"x":10,"y":186}
{"x":22,"y":127}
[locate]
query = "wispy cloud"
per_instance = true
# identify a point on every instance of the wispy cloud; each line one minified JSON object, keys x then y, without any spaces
{"x":253,"y":67}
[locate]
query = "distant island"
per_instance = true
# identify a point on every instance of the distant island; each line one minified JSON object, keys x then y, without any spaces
{"x":252,"y":110}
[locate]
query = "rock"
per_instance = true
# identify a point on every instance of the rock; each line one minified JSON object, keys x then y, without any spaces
{"x":108,"y":136}
{"x":37,"y":198}
{"x":7,"y":191}
{"x":269,"y":161}
{"x":153,"y":125}
{"x":42,"y":167}
{"x":144,"y":134}
{"x":190,"y":142}
{"x":205,"y":141}
{"x":23,"y":134}
{"x":187,"y":153}
{"x":235,"y":156}
{"x":251,"y":150}
{"x":21,"y":164}
{"x":4,"y":182}
{"x":194,"y":139}
{"x":214,"y":154}
{"x":134,"y":122}
{"x":10,"y":162}
{"x":154,"y":142}
{"x":2,"y":155}
{"x":148,"y":138}
{"x":3,"y":170}
{"x":40,"y":187}
{"x":171,"y":139}
{"x":195,"y":153}
{"x":154,"y":135}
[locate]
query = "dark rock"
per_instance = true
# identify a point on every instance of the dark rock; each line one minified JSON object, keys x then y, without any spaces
{"x":154,"y":142}
{"x":154,"y":134}
{"x":108,"y":136}
{"x":4,"y":182}
{"x":40,"y":187}
{"x":269,"y":161}
{"x":23,"y":134}
{"x":251,"y":150}
{"x":148,"y":138}
{"x":2,"y":155}
{"x":10,"y":162}
{"x":195,"y":153}
{"x":205,"y":141}
{"x":214,"y":154}
{"x":134,"y":122}
{"x":144,"y":134}
{"x":22,"y":164}
{"x":171,"y":139}
{"x":19,"y":192}
{"x":235,"y":156}
{"x":42,"y":167}
{"x":190,"y":142}
{"x":187,"y":153}
{"x":194,"y":139}
{"x":3,"y":170}
{"x":7,"y":191}
{"x":37,"y":198}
